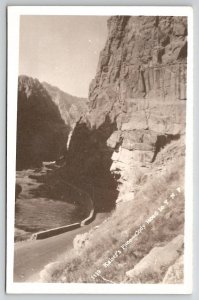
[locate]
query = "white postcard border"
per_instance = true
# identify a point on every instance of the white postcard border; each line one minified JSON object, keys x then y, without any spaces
{"x":14,"y":13}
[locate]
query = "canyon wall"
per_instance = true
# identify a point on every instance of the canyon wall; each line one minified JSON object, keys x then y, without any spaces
{"x":41,"y":132}
{"x":45,"y":117}
{"x":71,"y":108}
{"x":137,"y":104}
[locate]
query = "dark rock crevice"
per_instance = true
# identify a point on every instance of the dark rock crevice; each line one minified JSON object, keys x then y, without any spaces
{"x":162,"y":141}
{"x":88,"y":162}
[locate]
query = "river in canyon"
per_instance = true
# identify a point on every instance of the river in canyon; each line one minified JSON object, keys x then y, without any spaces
{"x":36,"y":211}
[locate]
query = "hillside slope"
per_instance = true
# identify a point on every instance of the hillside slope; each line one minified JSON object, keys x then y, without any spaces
{"x":112,"y":252}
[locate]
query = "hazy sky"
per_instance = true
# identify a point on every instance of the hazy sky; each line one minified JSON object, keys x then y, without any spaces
{"x":62,"y":50}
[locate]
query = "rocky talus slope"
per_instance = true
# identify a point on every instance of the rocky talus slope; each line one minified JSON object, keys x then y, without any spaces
{"x":130,"y":148}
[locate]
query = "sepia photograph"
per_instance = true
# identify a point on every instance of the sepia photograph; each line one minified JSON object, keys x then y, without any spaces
{"x":99,"y":182}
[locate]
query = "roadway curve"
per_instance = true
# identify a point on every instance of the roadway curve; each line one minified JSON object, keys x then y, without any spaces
{"x":31,"y":257}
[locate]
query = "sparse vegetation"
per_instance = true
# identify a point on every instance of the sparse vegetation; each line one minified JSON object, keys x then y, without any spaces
{"x":121,"y":226}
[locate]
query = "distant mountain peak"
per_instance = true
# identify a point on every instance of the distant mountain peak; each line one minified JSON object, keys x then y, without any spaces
{"x":71,"y":107}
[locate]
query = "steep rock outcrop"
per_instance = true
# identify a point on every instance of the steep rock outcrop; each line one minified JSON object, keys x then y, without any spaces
{"x":137,"y":97}
{"x":41,"y":132}
{"x":144,"y":57}
{"x":154,"y":265}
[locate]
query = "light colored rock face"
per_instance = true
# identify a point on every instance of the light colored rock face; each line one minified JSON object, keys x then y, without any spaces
{"x":81,"y":241}
{"x":141,"y":85}
{"x":154,"y":265}
{"x":175,"y":273}
{"x":46,"y":274}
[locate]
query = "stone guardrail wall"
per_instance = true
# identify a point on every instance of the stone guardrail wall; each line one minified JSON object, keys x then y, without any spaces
{"x":55,"y":231}
{"x":89,"y":218}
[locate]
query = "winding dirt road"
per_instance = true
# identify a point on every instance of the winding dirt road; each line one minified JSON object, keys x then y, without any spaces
{"x":30,"y":257}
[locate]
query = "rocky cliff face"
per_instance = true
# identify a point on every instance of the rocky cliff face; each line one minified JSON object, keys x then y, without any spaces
{"x":144,"y":58}
{"x":137,"y":101}
{"x":71,"y":108}
{"x":41,"y":132}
